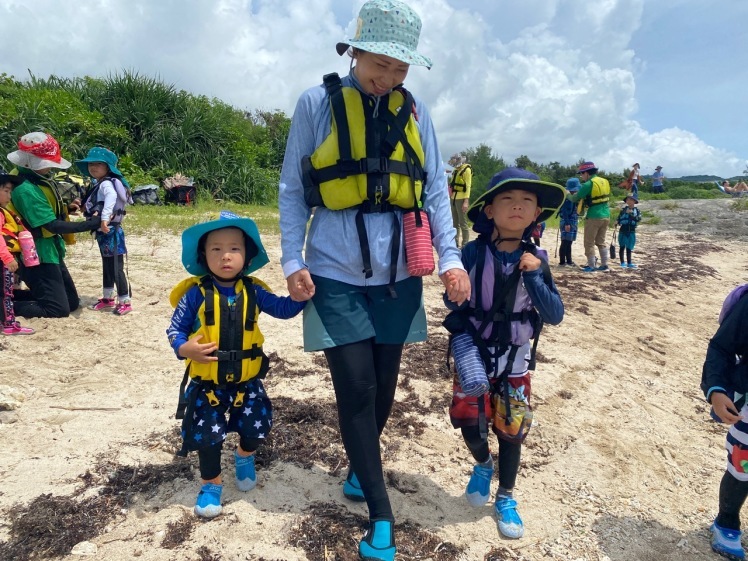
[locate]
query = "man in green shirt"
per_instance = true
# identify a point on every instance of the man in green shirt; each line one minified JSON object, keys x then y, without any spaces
{"x":52,"y":292}
{"x":595,"y":191}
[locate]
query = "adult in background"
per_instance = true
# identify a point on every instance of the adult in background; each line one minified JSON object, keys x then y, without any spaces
{"x":595,"y":192}
{"x":460,"y":182}
{"x":634,"y":180}
{"x":52,"y":292}
{"x":657,"y":180}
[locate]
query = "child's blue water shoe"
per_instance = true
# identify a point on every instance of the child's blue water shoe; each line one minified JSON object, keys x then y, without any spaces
{"x":623,"y":265}
{"x":509,"y":522}
{"x":478,"y":491}
{"x":726,"y":542}
{"x":633,"y":266}
{"x":352,"y":488}
{"x":208,"y":504}
{"x":378,"y":543}
{"x":246,"y":477}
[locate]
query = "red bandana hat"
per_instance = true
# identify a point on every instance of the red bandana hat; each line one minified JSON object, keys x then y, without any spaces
{"x":38,"y":150}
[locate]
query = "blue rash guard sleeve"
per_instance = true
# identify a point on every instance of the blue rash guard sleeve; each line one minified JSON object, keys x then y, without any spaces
{"x":281,"y":307}
{"x":720,"y":372}
{"x":545,"y":297}
{"x":183,"y":319}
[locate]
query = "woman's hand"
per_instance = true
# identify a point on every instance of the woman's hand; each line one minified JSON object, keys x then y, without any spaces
{"x":197,"y":351}
{"x":300,"y":285}
{"x":457,"y":283}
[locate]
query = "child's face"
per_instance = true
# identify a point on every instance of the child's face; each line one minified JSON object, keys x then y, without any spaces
{"x":378,"y":74}
{"x":512,"y":211}
{"x":630,"y":202}
{"x":98,"y":170}
{"x":5,"y":191}
{"x":225,"y":252}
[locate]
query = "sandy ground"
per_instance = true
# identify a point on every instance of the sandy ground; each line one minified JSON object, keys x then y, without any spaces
{"x":622,"y":464}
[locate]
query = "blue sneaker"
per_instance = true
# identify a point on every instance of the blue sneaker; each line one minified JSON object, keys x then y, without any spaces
{"x":726,"y":542}
{"x":510,"y":524}
{"x":589,"y":269}
{"x":623,"y":265}
{"x":246,"y":476}
{"x":208,"y":504}
{"x":478,"y":491}
{"x":603,"y":268}
{"x":633,"y":266}
{"x":378,"y":543}
{"x":352,"y":488}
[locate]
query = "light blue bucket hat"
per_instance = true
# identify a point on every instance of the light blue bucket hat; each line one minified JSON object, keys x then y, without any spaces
{"x":390,"y":28}
{"x":99,"y":155}
{"x":191,"y":238}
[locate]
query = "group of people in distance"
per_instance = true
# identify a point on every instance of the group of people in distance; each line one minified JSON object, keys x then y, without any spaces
{"x":348,"y":272}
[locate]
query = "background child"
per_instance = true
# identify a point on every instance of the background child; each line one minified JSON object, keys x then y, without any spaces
{"x":537,"y":233}
{"x":721,"y":378}
{"x":568,"y":224}
{"x":108,"y":198}
{"x":221,"y":252}
{"x":10,"y":225}
{"x":627,"y":221}
{"x":504,"y":216}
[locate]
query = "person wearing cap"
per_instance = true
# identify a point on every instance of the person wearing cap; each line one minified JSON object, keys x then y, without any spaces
{"x":108,"y":199}
{"x":627,"y":220}
{"x":380,"y":159}
{"x":52,"y":292}
{"x":215,"y":329}
{"x":568,"y":224}
{"x":634,"y":179}
{"x":657,"y":180}
{"x":512,"y":281}
{"x":595,"y":192}
{"x":11,"y":226}
{"x":460,"y":182}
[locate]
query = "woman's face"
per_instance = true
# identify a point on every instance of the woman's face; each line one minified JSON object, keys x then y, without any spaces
{"x":98,"y":170}
{"x":378,"y":74}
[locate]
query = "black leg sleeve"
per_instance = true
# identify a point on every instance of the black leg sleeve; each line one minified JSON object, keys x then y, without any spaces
{"x":210,"y":462}
{"x":509,"y":456}
{"x":732,"y":495}
{"x":107,"y":268}
{"x":478,"y":446}
{"x":120,"y":279}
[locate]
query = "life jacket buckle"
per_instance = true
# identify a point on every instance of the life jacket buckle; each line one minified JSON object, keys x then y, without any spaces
{"x":239,"y":400}
{"x":212,"y":399}
{"x":231,"y":356}
{"x":376,"y":165}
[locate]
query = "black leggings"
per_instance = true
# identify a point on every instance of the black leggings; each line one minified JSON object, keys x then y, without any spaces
{"x":509,"y":455}
{"x":52,"y":292}
{"x":114,"y":273}
{"x":210,"y":458}
{"x":364,"y":376}
{"x":565,"y":252}
{"x":628,"y":254}
{"x":732,"y":495}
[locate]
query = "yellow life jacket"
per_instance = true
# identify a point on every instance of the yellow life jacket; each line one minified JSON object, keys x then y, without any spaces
{"x":10,"y":229}
{"x":370,"y":161}
{"x":236,"y":331}
{"x":457,"y":180}
{"x":600,"y":191}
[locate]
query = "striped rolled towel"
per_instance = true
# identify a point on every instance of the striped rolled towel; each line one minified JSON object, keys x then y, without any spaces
{"x":471,"y":372}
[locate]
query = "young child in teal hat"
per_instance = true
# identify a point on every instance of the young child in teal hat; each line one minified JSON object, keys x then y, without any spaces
{"x":627,"y":222}
{"x":215,"y":329}
{"x":107,"y":198}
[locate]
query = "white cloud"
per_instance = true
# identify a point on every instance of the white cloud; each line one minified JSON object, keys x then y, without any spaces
{"x":552,"y":79}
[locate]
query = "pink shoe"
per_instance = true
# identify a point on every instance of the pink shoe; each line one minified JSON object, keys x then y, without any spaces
{"x":16,"y":329}
{"x":102,"y":304}
{"x":122,"y":308}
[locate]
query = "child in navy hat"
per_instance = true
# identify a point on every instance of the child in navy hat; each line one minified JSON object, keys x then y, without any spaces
{"x":627,"y":221}
{"x":492,"y":333}
{"x":215,"y":329}
{"x":568,"y":224}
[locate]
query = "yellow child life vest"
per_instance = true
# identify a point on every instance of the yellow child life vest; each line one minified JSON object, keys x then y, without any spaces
{"x":240,"y":355}
{"x":10,"y":229}
{"x":371,"y":161}
{"x":600,"y":191}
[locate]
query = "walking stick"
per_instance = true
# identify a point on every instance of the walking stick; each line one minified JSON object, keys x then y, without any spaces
{"x":558,"y":233}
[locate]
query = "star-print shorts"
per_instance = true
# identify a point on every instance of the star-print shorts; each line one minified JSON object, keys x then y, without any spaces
{"x":210,"y":424}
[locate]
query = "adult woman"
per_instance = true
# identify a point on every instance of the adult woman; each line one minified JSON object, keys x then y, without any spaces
{"x":52,"y":291}
{"x":364,"y":305}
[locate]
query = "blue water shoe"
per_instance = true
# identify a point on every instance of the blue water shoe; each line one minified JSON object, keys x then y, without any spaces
{"x":208,"y":504}
{"x":378,"y":543}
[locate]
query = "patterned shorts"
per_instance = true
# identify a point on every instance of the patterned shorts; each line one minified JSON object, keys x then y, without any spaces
{"x":113,"y":243}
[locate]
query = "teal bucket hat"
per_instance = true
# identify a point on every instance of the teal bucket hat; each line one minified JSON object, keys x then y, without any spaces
{"x":100,"y":155}
{"x":390,"y":28}
{"x":191,"y":238}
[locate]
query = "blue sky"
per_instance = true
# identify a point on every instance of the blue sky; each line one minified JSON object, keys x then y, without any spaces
{"x":659,"y":82}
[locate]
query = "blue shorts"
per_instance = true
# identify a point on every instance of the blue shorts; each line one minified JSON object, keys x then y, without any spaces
{"x":209,"y":425}
{"x":341,"y":313}
{"x":112,"y":243}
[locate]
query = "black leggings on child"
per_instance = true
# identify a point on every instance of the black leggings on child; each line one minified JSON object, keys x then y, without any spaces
{"x":565,"y":252}
{"x":210,"y":458}
{"x":732,"y":495}
{"x":114,"y":273}
{"x":509,"y":455}
{"x":628,"y":255}
{"x":364,"y":375}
